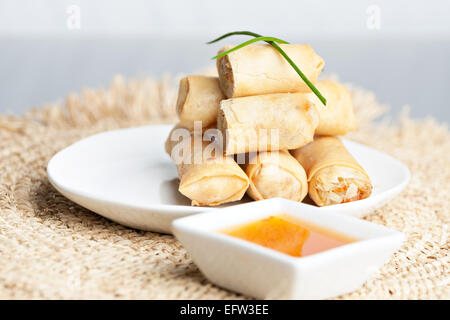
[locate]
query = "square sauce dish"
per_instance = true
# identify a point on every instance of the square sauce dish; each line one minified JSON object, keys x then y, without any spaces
{"x":281,"y":249}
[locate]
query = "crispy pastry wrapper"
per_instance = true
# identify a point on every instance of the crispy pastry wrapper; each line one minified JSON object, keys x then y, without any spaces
{"x":337,"y":117}
{"x":267,"y":122}
{"x":198,"y":100}
{"x":275,"y":174}
{"x":334,"y":176}
{"x":206,"y":177}
{"x":260,"y":69}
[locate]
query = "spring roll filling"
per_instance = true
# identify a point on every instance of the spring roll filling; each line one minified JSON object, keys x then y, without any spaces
{"x":338,"y":184}
{"x":226,"y":76}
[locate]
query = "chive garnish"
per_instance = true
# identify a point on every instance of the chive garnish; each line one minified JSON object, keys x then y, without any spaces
{"x":272,"y":41}
{"x":242,"y":33}
{"x":246,"y":43}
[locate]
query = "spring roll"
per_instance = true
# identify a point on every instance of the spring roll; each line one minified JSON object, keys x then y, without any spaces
{"x":198,"y":100}
{"x":334,"y":176}
{"x":337,"y":117}
{"x":206,"y":176}
{"x":267,"y":122}
{"x":260,"y":69}
{"x":276,"y":174}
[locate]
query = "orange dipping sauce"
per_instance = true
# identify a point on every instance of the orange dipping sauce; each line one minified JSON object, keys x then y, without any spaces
{"x":289,"y":235}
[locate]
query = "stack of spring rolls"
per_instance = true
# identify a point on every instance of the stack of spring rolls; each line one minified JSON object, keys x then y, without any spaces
{"x":262,"y":112}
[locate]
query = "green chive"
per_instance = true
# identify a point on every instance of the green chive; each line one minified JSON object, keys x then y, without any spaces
{"x":300,"y":73}
{"x":246,"y":43}
{"x":243,"y":33}
{"x":277,"y":47}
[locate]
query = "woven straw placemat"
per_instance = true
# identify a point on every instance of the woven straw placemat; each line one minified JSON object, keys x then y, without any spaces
{"x":51,"y":248}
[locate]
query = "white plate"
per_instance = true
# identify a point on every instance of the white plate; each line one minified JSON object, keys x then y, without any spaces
{"x":126,"y":176}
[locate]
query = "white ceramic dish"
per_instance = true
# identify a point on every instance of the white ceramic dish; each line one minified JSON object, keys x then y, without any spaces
{"x":263,"y":273}
{"x":126,"y":176}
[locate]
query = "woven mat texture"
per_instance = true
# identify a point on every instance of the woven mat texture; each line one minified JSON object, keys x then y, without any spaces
{"x":51,"y":248}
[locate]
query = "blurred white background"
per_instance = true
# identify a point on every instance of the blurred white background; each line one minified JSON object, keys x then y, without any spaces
{"x":398,"y":49}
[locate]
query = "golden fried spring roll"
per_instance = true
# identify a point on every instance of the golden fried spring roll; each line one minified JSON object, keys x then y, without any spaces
{"x":337,"y":117}
{"x":260,"y":69}
{"x":198,"y":100}
{"x":334,"y":176}
{"x":267,"y":122}
{"x":276,"y":174}
{"x":206,"y":177}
